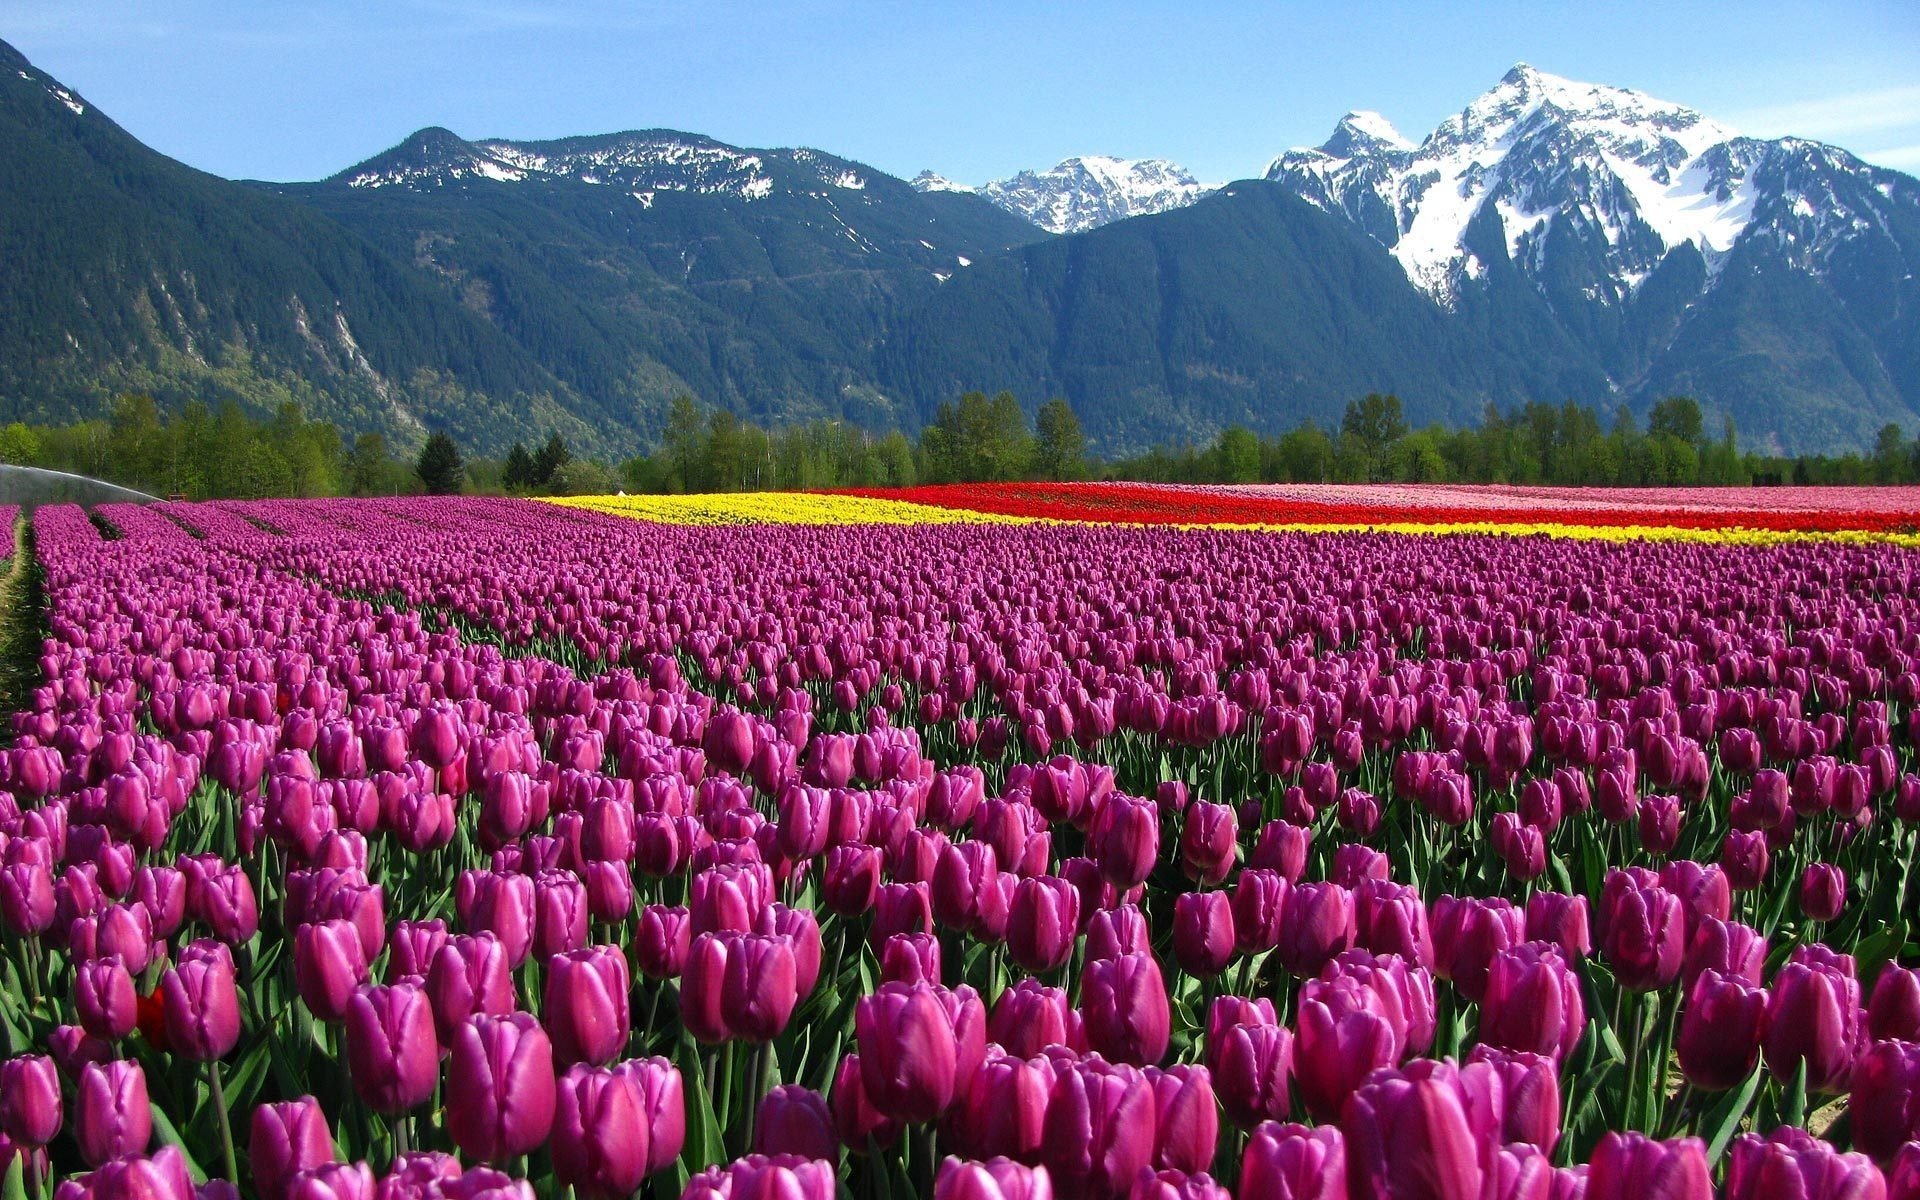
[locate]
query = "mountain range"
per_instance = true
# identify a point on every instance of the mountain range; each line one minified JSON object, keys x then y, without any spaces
{"x":1552,"y":241}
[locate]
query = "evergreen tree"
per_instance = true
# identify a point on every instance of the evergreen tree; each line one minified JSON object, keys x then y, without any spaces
{"x":519,"y":469}
{"x":1060,"y":451}
{"x":550,"y":458}
{"x":367,"y":465}
{"x":440,"y":468}
{"x":1677,"y":417}
{"x":1373,"y":424}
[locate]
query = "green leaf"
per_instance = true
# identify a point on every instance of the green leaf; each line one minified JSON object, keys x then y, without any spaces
{"x":704,"y":1147}
{"x":163,"y":1128}
{"x":14,"y":1187}
{"x":1724,"y":1121}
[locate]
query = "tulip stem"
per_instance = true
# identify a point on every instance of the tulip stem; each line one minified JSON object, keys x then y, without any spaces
{"x":226,"y":1122}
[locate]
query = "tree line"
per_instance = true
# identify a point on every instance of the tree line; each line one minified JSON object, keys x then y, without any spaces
{"x":204,"y":453}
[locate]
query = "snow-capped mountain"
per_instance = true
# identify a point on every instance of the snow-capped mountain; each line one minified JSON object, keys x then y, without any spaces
{"x":640,"y":163}
{"x":1087,"y":192}
{"x":1608,"y":176}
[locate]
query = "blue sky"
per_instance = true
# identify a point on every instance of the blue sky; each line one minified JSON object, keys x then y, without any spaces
{"x":297,"y":89}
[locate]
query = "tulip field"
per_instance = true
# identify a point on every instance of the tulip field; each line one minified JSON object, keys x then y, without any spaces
{"x":999,"y":842}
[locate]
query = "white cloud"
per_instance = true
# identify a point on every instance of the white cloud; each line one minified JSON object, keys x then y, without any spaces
{"x":1838,"y":116}
{"x":1900,"y":158}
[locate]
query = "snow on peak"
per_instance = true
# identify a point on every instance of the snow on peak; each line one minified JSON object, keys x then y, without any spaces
{"x":931,"y":181}
{"x":1088,"y":191}
{"x":1363,"y":131}
{"x":1536,"y":148}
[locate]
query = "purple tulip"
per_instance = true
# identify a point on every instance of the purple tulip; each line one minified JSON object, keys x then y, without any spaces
{"x":1467,"y":933}
{"x":1100,"y":1129}
{"x":1042,"y":922}
{"x":1186,"y":1118}
{"x":287,"y":1138}
{"x":1885,"y":1102}
{"x":1719,"y":1039}
{"x":599,"y":1133}
{"x":1421,"y":1132}
{"x":1203,"y":935}
{"x":1344,"y":1033}
{"x":1642,"y":932}
{"x":1532,"y":1002}
{"x":1794,"y":1165}
{"x":994,"y":1179}
{"x":392,"y":1050}
{"x":1530,"y":1095}
{"x":1209,"y":842}
{"x":201,"y":1000}
{"x":663,"y":1106}
{"x":917,"y":1048}
{"x":586,"y":1005}
{"x":29,"y":1100}
{"x":1293,"y":1162}
{"x":103,"y":998}
{"x":111,"y":1117}
{"x":468,"y":975}
{"x":795,"y":1120}
{"x":1123,"y":1002}
{"x":1030,"y":1016}
{"x":1813,"y":1017}
{"x":500,"y":1087}
{"x":1893,"y":1011}
{"x":1317,"y":924}
{"x":1251,"y":1066}
{"x":1632,"y":1166}
{"x":1823,"y":891}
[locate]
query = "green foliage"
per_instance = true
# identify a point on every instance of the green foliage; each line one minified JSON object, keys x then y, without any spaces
{"x":440,"y":468}
{"x":551,"y":457}
{"x":1372,"y":424}
{"x":518,"y":470}
{"x":977,"y":439}
{"x":1060,"y":449}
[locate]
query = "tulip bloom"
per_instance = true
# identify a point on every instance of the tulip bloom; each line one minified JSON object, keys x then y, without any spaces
{"x":1530,"y":1095}
{"x":1123,"y":1002}
{"x":1005,"y":1112}
{"x":103,"y":997}
{"x":586,"y":1005}
{"x":917,"y":1048}
{"x":599,"y":1133}
{"x":1632,"y":1166}
{"x":1893,"y":1011}
{"x":1259,"y":900}
{"x":994,"y":1179}
{"x":287,"y":1138}
{"x":1467,"y":933}
{"x":392,"y":1049}
{"x":111,"y":1116}
{"x":468,"y":975}
{"x":1793,"y":1163}
{"x":1813,"y":1016}
{"x":1823,"y":891}
{"x":764,"y":1177}
{"x":1317,"y":924}
{"x":1203,"y":938}
{"x":1532,"y":1002}
{"x":1642,"y":933}
{"x":1390,"y":918}
{"x":1100,"y":1129}
{"x":1042,"y":922}
{"x":329,"y":962}
{"x":663,"y":1106}
{"x":1420,"y":1132}
{"x":1251,"y":1064}
{"x":1209,"y":842}
{"x":1293,"y":1162}
{"x":1186,"y":1118}
{"x":500,"y":1087}
{"x":1719,"y":1039}
{"x":29,"y":1100}
{"x":1343,"y":1034}
{"x":855,"y":1118}
{"x":794,"y":1120}
{"x":1125,"y":839}
{"x":661,"y":942}
{"x":1885,"y":1103}
{"x":1030,"y":1016}
{"x":202,"y":1003}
